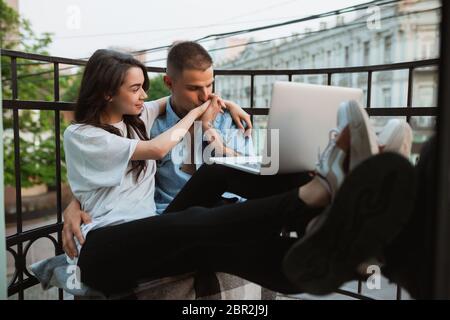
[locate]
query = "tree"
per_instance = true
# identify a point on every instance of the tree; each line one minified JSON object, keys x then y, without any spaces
{"x":157,"y":88}
{"x":35,"y":82}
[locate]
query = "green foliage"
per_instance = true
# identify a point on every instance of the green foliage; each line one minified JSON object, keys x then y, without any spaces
{"x":157,"y":88}
{"x":35,"y":82}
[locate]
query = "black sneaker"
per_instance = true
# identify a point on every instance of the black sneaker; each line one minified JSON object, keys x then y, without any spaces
{"x":370,"y":209}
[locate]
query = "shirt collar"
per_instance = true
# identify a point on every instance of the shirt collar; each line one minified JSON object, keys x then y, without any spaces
{"x":171,"y":116}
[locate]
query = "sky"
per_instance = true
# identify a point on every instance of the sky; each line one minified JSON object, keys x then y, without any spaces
{"x":79,"y":27}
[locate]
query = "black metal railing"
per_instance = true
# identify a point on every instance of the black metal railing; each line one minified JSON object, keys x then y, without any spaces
{"x":22,"y":279}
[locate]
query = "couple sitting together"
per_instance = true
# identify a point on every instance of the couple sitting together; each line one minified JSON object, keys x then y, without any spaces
{"x":139,"y":215}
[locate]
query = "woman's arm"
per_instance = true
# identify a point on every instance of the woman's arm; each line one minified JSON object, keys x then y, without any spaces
{"x":238,"y":114}
{"x":159,"y":146}
{"x":162,"y":102}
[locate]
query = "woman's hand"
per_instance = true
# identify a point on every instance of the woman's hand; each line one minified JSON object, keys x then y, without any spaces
{"x":239,"y":115}
{"x":200,"y":110}
{"x":214,"y":109}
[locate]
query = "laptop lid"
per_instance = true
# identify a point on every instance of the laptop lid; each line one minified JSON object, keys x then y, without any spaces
{"x":303,"y":114}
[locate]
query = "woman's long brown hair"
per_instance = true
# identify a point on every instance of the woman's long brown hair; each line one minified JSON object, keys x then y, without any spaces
{"x":103,"y":75}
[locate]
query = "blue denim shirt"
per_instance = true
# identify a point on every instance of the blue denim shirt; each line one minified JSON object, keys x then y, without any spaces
{"x":170,"y":179}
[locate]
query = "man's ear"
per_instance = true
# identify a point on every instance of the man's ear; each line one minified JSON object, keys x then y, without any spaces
{"x":168,"y":81}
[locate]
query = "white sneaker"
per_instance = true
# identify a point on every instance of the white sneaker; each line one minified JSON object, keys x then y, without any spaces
{"x":353,"y":123}
{"x":396,"y":136}
{"x":363,"y":140}
{"x":330,"y":167}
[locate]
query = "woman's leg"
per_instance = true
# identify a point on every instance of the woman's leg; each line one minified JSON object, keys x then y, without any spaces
{"x":241,"y":239}
{"x":209,"y":182}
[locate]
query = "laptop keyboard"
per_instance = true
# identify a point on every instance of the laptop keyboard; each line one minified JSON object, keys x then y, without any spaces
{"x":253,"y":165}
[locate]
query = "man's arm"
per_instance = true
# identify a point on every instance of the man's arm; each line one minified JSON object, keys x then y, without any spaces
{"x":73,"y":218}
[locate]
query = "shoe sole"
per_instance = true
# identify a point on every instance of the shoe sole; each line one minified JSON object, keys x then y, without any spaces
{"x":372,"y":206}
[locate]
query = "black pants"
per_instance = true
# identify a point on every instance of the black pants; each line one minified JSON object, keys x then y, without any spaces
{"x":242,"y":239}
{"x":409,"y":258}
{"x":210,"y":181}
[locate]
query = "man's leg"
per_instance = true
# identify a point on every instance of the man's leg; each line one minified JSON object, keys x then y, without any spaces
{"x":409,"y":258}
{"x":371,"y":208}
{"x":207,"y":185}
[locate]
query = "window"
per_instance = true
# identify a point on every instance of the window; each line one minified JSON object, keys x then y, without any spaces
{"x":247,"y":91}
{"x":265,"y":89}
{"x":387,"y":97}
{"x":366,"y":57}
{"x":388,"y":49}
{"x":347,"y":56}
{"x":426,"y":96}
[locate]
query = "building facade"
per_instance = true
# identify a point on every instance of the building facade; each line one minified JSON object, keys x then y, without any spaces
{"x":405,"y":32}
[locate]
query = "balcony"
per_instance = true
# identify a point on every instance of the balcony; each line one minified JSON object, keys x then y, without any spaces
{"x":23,"y":236}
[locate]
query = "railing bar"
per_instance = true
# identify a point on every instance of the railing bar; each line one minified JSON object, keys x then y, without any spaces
{"x":329,"y":78}
{"x":57,"y":154}
{"x":410,"y":91}
{"x":358,"y":69}
{"x":60,"y":294}
{"x":252,"y":84}
{"x":14,"y":84}
{"x":56,"y":81}
{"x":40,"y":57}
{"x":37,"y":105}
{"x":393,"y":66}
{"x":19,"y":287}
{"x":369,"y":89}
{"x":353,"y":295}
{"x":359,"y":287}
{"x":399,"y":293}
{"x":33,"y":234}
{"x":15,"y":94}
{"x":398,"y":112}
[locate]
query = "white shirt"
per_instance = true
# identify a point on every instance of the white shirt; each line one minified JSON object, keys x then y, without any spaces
{"x":97,"y":166}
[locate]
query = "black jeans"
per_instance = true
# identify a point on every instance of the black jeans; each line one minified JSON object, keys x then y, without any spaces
{"x":210,"y":181}
{"x":242,"y":239}
{"x":409,"y":258}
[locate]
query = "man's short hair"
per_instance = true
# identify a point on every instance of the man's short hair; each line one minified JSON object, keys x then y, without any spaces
{"x":187,"y":55}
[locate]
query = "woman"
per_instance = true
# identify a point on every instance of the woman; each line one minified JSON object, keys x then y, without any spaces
{"x":111,"y":167}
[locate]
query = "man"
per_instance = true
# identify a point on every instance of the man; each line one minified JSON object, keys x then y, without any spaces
{"x":190,"y":77}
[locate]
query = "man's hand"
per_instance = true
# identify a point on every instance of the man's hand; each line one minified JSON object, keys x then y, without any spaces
{"x":73,"y":218}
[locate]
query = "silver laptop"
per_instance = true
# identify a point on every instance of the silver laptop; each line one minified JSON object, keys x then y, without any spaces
{"x":303,"y":114}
